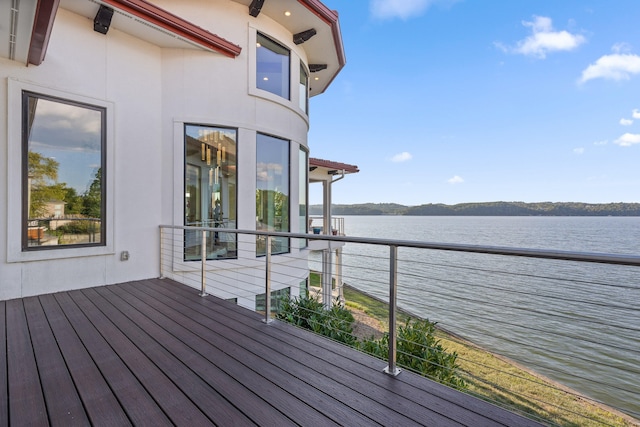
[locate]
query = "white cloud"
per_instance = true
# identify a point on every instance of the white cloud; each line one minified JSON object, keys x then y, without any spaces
{"x":578,"y":150}
{"x":626,"y":122}
{"x":635,"y":114}
{"x":544,"y":39}
{"x":403,"y":9}
{"x":605,"y":142}
{"x":401,"y":157}
{"x":455,"y":180}
{"x":613,"y":67}
{"x":628,"y":139}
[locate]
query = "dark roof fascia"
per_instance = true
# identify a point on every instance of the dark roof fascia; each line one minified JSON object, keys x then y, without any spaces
{"x":42,"y":25}
{"x":330,"y":164}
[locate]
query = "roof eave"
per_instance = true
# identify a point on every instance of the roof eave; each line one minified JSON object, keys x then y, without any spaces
{"x":141,"y":9}
{"x":42,"y":26}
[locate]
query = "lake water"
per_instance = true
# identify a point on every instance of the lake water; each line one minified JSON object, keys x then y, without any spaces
{"x":551,"y":316}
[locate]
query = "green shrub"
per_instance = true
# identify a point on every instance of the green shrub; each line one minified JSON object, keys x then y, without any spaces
{"x":417,"y":349}
{"x":309,"y":313}
{"x":78,"y":227}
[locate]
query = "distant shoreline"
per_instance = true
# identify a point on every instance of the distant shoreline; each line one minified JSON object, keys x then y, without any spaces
{"x":487,"y":209}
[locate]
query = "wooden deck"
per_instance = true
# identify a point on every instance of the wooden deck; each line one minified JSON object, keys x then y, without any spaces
{"x":155,"y":353}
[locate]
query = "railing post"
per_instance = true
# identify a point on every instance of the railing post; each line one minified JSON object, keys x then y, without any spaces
{"x":392,"y":369}
{"x":267,"y":283}
{"x":203,"y":279}
{"x":161,"y":257}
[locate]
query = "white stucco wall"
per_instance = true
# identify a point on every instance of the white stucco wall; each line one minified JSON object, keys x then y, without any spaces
{"x":151,"y":92}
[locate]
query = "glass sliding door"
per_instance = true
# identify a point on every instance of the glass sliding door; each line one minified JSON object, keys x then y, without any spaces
{"x":210,"y":191}
{"x":272,"y":191}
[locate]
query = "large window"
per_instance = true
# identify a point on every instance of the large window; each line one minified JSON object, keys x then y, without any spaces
{"x":210,"y":191}
{"x":304,"y":89}
{"x":63,"y":170}
{"x":272,"y":191}
{"x":272,"y":66}
{"x":303,"y":179}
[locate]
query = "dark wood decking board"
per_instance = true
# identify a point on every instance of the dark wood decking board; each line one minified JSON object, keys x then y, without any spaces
{"x":342,"y":387}
{"x":426,"y":402}
{"x":154,"y":352}
{"x":260,"y":367}
{"x":57,"y":386}
{"x":25,"y":393}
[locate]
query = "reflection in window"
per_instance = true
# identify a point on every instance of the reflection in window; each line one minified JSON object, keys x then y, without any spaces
{"x":210,"y":191}
{"x":278,"y":299}
{"x":272,"y":66}
{"x":272,"y":191}
{"x":63,"y":173}
{"x":304,"y":89}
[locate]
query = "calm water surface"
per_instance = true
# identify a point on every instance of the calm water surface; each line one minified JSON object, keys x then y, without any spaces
{"x":484,"y":297}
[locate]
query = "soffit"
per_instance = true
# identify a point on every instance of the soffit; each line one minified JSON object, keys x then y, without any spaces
{"x":145,"y":21}
{"x":324,"y":48}
{"x":16,"y":25}
{"x":139,"y":18}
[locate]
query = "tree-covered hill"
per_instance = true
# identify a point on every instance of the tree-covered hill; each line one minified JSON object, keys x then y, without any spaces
{"x":487,"y":209}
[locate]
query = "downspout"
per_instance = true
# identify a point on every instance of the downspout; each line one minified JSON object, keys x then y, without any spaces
{"x":338,"y":179}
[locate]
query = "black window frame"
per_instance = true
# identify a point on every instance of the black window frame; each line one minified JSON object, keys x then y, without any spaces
{"x":25,"y":128}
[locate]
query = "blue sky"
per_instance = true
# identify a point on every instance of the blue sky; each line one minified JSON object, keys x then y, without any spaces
{"x":445,"y":101}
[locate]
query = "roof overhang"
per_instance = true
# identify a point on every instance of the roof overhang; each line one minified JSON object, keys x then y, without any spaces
{"x":24,"y":35}
{"x":325,"y":47}
{"x":325,"y":170}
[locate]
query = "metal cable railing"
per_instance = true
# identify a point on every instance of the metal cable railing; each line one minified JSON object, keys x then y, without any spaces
{"x":551,"y":334}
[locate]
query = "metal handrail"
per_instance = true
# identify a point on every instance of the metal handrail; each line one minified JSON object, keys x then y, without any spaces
{"x":619,"y":259}
{"x":392,"y":369}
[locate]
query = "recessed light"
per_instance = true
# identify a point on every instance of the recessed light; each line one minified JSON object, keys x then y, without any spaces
{"x":316,"y":78}
{"x":287,"y":13}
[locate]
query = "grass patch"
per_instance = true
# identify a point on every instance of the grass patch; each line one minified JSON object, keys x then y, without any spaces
{"x":502,"y":382}
{"x":375,"y":308}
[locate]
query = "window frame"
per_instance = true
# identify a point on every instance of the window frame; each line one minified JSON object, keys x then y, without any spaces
{"x":26,"y":95}
{"x":288,"y":96}
{"x":285,"y":240}
{"x":303,"y":193}
{"x":185,"y":164}
{"x":14,"y":173}
{"x":303,"y":102}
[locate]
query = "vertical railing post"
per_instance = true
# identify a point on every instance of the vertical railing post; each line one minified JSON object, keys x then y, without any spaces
{"x":161,"y":257}
{"x":392,"y":369}
{"x":267,"y":283}
{"x":203,"y":254}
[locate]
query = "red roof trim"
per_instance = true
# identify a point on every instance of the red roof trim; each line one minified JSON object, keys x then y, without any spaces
{"x":330,"y":17}
{"x":176,"y":25}
{"x":329,"y":164}
{"x":42,"y":25}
